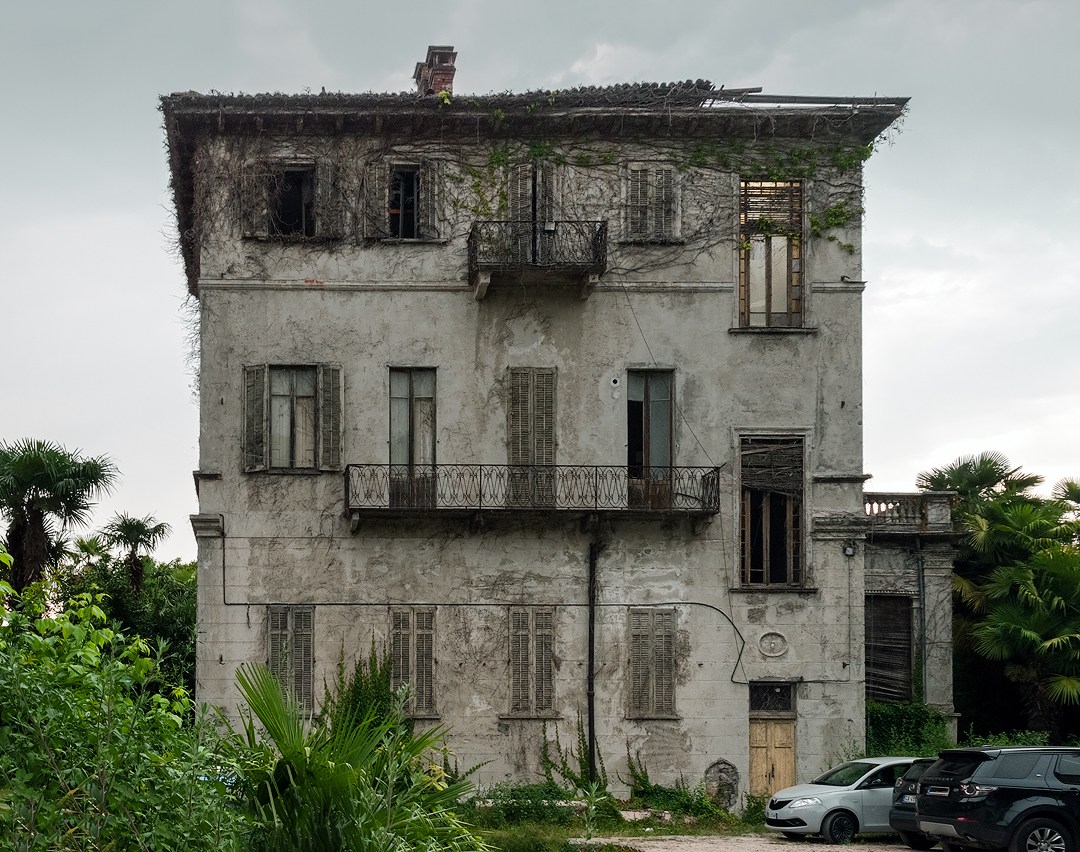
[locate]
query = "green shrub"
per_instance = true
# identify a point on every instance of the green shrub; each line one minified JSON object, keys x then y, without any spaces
{"x":515,"y":804}
{"x":754,"y":812}
{"x":1012,"y":738}
{"x":908,"y":728}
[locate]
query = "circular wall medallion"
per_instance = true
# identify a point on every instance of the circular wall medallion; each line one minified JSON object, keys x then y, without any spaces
{"x":773,"y":644}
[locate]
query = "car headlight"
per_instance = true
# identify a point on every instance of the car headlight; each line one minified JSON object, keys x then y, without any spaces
{"x":804,"y":803}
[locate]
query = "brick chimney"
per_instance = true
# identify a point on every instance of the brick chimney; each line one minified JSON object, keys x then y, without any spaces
{"x":436,"y":73}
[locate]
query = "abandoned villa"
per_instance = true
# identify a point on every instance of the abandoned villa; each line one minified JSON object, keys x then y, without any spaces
{"x":557,"y":398}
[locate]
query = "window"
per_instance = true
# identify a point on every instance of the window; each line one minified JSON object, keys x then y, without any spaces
{"x":530,"y":434}
{"x":771,"y":518}
{"x":652,"y":662}
{"x":291,"y":650}
{"x":531,"y":203}
{"x":412,"y":649}
{"x":888,"y":647}
{"x":650,"y":204}
{"x":412,"y":437}
{"x":649,"y":397}
{"x":769,"y":699}
{"x":403,"y":200}
{"x":770,"y":254}
{"x":291,"y":200}
{"x":532,"y":663}
{"x":292,"y":417}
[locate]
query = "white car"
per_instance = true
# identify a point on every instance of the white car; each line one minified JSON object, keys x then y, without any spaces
{"x":852,"y":798}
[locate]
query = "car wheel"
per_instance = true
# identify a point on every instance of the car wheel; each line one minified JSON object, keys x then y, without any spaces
{"x":791,"y":835}
{"x":946,"y":846}
{"x":917,"y":840}
{"x":1041,"y":835}
{"x":839,"y":827}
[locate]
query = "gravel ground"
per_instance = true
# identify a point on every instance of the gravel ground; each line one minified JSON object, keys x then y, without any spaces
{"x":765,"y":842}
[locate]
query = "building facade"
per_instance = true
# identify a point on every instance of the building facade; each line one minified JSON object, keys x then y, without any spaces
{"x":554,"y":396}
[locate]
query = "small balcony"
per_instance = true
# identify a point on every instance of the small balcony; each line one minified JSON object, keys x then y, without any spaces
{"x":925,"y":513}
{"x":472,"y":490}
{"x":567,"y":252}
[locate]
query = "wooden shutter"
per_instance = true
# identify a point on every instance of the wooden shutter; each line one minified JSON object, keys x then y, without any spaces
{"x":277,"y":642}
{"x":376,"y":215}
{"x":303,"y":655}
{"x":424,"y":665}
{"x":663,"y":661}
{"x":255,"y":400}
{"x":637,"y":204}
{"x":519,"y":661}
{"x":544,"y":675}
{"x":254,"y":183}
{"x":428,"y":191}
{"x":400,"y":648}
{"x":889,"y":647}
{"x":663,"y":204}
{"x":652,"y":662}
{"x":329,"y":417}
{"x":329,"y":203}
{"x":530,"y":431}
{"x":640,"y":662}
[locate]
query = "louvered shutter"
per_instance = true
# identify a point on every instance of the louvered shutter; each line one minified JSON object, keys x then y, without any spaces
{"x":663,"y":204}
{"x":303,"y":655}
{"x":254,"y":183}
{"x":544,"y":676}
{"x":429,"y":191}
{"x":330,"y":417}
{"x":543,"y":435}
{"x":376,"y":214}
{"x":277,"y":642}
{"x":519,"y":661}
{"x":519,"y":435}
{"x":889,"y":644}
{"x":424,"y":665}
{"x":637,"y":204}
{"x":640,"y":661}
{"x":663,"y":662}
{"x":255,"y":399}
{"x":520,"y":204}
{"x":545,"y":211}
{"x":329,"y":203}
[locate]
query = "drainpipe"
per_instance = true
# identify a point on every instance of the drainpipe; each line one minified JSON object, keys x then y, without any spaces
{"x":595,"y":549}
{"x":920,"y":568}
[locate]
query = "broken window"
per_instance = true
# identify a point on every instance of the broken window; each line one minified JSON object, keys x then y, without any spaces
{"x":532,"y":660}
{"x":649,"y":409}
{"x":285,"y":200}
{"x":291,"y":650}
{"x":530,"y":432}
{"x":412,"y":437}
{"x":402,"y":200}
{"x":889,"y":647}
{"x":412,"y":651}
{"x":650,"y":203}
{"x":292,"y":417}
{"x":771,"y":522}
{"x":652,"y":662}
{"x":772,"y":699}
{"x":770,"y":254}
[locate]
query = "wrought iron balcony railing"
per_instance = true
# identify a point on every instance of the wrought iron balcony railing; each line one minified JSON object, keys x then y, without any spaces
{"x":913,"y":512}
{"x":384,"y":489}
{"x":575,"y":248}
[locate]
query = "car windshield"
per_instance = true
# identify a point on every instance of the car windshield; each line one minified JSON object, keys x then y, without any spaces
{"x":844,"y":775}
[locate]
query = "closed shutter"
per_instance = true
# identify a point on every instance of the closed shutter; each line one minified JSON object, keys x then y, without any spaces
{"x":330,"y":417}
{"x":637,"y":204}
{"x":400,"y":647}
{"x":430,"y":178}
{"x":652,"y":662}
{"x":530,"y":431}
{"x":376,"y":215}
{"x":303,"y":655}
{"x":664,"y":662}
{"x":329,"y":203}
{"x":640,"y":662}
{"x":889,"y":647}
{"x":277,"y":644}
{"x":519,"y":661}
{"x":545,"y":660}
{"x":663,"y":204}
{"x":255,"y":417}
{"x":424,"y":677}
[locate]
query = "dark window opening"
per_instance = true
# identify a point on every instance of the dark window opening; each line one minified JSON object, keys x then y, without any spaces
{"x":772,"y":699}
{"x":889,"y":647}
{"x":771,"y":522}
{"x":403,"y":206}
{"x":649,"y":439}
{"x":292,"y":203}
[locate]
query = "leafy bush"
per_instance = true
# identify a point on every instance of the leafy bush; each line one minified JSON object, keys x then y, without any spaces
{"x":754,"y":812}
{"x":1012,"y":738}
{"x":680,"y":799}
{"x":908,"y":728}
{"x":515,"y":804}
{"x":90,"y":757}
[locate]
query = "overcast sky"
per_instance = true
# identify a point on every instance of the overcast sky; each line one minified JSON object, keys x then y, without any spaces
{"x":972,"y":307}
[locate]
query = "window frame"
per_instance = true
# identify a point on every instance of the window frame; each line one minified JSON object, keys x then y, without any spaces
{"x":765,"y":217}
{"x":531,"y":657}
{"x":257,"y":424}
{"x":531,"y":435}
{"x":427,"y":196}
{"x":413,"y":482}
{"x":652,"y":196}
{"x":794,"y":507}
{"x":652,"y":664}
{"x":290,"y":650}
{"x":895,"y":662}
{"x":262,"y":183}
{"x":418,"y":656}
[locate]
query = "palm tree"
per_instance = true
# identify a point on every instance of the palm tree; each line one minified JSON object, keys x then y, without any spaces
{"x":44,"y":489}
{"x":135,"y":534}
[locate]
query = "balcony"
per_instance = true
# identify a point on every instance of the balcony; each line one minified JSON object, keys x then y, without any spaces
{"x":925,"y":513}
{"x":473,"y":490}
{"x":562,"y":252}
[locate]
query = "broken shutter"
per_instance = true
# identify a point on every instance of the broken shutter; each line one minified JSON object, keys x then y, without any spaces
{"x":650,"y":203}
{"x":663,"y":204}
{"x":254,"y":184}
{"x":652,"y":662}
{"x":255,"y":397}
{"x":329,"y":204}
{"x":376,"y":214}
{"x":428,"y":201}
{"x":329,"y":417}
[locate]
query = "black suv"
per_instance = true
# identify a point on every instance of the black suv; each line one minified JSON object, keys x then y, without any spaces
{"x":902,"y":815}
{"x":1020,"y":799}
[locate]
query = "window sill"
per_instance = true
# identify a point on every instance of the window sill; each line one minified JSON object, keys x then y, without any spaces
{"x":525,"y":717}
{"x":292,"y":238}
{"x":673,"y":241}
{"x":763,"y":329}
{"x":293,"y":471}
{"x":753,"y":590}
{"x":424,"y":717}
{"x":393,"y":241}
{"x":655,"y":717}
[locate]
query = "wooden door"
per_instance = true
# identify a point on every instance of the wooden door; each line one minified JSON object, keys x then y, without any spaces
{"x":772,"y":755}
